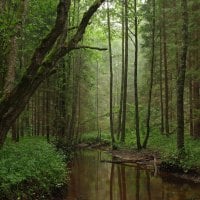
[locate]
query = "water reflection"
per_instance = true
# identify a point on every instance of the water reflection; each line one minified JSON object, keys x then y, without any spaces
{"x":95,"y":180}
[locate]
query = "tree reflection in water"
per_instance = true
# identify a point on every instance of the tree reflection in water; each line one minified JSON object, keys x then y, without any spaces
{"x":95,"y":180}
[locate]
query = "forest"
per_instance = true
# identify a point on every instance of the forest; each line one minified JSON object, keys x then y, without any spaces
{"x":110,"y":87}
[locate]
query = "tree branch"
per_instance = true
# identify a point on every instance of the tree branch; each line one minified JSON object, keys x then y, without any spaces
{"x":48,"y":42}
{"x":72,"y":44}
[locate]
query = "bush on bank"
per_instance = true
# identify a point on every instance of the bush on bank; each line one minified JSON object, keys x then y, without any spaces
{"x":30,"y":168}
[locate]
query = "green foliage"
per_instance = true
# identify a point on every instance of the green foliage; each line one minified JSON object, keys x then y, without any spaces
{"x":29,"y":168}
{"x":166,"y":146}
{"x":92,"y":137}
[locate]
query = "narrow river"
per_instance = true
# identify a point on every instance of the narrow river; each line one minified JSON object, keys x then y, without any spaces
{"x":92,"y":179}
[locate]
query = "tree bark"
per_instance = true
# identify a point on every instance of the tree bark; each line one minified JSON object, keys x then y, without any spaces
{"x":137,"y":120}
{"x":111,"y":75}
{"x":161,"y":86}
{"x":165,"y":72}
{"x":151,"y":76}
{"x":123,"y":131}
{"x":122,"y":78}
{"x":181,"y":79}
{"x":196,"y":103}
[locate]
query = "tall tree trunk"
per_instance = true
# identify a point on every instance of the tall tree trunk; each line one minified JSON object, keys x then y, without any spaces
{"x":111,"y":75}
{"x":137,"y":120}
{"x":123,"y":131}
{"x":75,"y":98}
{"x":47,"y":111}
{"x":196,"y":104}
{"x":181,"y":79}
{"x":43,"y":110}
{"x":38,"y":113}
{"x":122,"y":78}
{"x":165,"y":72}
{"x":151,"y":76}
{"x":63,"y":101}
{"x":196,"y":92}
{"x":190,"y":88}
{"x":161,"y":86}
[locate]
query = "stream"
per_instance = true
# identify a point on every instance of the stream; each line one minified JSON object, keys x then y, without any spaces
{"x":92,"y":179}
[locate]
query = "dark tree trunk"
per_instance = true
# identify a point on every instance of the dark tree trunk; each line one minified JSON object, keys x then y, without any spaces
{"x":165,"y":72}
{"x":161,"y":86}
{"x":151,"y":76}
{"x":62,"y":105}
{"x":181,"y":79}
{"x":111,"y":75}
{"x":190,"y":88}
{"x":137,"y":120}
{"x":196,"y":99}
{"x":75,"y":100}
{"x":123,"y":131}
{"x":122,"y":78}
{"x":47,"y":111}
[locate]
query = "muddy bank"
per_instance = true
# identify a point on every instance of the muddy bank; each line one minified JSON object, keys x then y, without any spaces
{"x":147,"y":159}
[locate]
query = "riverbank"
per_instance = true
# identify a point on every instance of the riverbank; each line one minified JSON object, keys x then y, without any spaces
{"x":150,"y":159}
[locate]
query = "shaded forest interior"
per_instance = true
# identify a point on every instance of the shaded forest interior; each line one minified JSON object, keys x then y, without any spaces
{"x":136,"y":86}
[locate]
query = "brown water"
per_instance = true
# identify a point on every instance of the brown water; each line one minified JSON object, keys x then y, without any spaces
{"x":95,"y":180}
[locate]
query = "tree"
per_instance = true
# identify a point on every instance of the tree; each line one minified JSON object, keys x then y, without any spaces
{"x":181,"y":79}
{"x":165,"y":70}
{"x":123,"y":132}
{"x":137,"y":120}
{"x":122,"y":76}
{"x":42,"y":65}
{"x":151,"y":76}
{"x":111,"y":75}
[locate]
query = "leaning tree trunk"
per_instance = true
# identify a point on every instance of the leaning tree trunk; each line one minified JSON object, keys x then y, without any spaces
{"x":181,"y":79}
{"x":42,"y":65}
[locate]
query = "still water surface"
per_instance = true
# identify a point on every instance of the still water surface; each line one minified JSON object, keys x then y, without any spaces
{"x":95,"y":180}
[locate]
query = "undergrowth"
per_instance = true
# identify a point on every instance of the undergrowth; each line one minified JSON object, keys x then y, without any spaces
{"x":30,"y":168}
{"x":93,"y":137}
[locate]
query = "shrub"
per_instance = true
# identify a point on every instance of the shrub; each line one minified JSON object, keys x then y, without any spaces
{"x":30,"y":168}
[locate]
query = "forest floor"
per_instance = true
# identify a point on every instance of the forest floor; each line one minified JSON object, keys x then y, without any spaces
{"x":145,"y":159}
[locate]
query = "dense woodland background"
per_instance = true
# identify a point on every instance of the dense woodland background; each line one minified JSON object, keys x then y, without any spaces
{"x":130,"y":88}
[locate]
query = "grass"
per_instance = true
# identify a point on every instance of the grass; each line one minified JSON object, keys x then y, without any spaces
{"x":29,"y":168}
{"x":166,"y":146}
